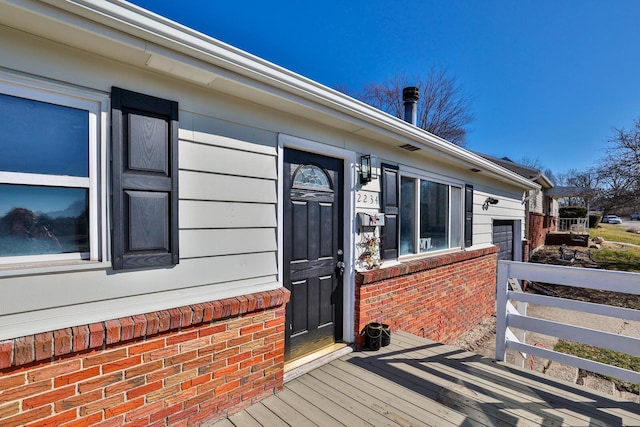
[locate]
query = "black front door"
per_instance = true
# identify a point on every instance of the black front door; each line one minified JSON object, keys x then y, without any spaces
{"x":312,"y":251}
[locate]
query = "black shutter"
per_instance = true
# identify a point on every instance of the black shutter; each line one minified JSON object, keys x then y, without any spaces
{"x":144,"y":180}
{"x":468,"y":216}
{"x":390,"y":183}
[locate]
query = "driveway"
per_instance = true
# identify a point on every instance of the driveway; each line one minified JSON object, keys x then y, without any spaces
{"x":627,"y":224}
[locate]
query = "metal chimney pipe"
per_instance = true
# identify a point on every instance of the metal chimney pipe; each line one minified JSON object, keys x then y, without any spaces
{"x":410,"y":96}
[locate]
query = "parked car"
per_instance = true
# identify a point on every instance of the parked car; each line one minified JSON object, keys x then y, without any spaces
{"x":635,"y":216}
{"x":612,"y":219}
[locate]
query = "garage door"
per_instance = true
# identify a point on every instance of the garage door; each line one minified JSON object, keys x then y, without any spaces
{"x":503,"y":239}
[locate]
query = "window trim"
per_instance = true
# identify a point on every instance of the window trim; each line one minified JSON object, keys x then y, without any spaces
{"x":418,"y":175}
{"x":96,"y":104}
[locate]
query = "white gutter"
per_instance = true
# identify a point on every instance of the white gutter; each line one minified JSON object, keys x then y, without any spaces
{"x":140,"y":23}
{"x":544,"y":178}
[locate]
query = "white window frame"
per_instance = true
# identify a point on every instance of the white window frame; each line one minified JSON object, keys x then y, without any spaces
{"x":96,"y":104}
{"x":417,"y":176}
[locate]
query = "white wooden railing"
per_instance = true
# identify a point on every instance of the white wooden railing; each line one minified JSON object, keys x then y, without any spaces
{"x":577,"y":225}
{"x":509,"y":317}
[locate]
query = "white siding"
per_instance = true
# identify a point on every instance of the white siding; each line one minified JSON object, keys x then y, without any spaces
{"x":227,"y":187}
{"x":509,"y":207}
{"x":536,"y":201}
{"x":203,"y":242}
{"x":207,"y":214}
{"x":226,"y":161}
{"x":214,"y":187}
{"x":41,"y":304}
{"x":227,"y":208}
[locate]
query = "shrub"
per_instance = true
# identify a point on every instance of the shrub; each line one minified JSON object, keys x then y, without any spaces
{"x":594,"y":220}
{"x":573,"y":212}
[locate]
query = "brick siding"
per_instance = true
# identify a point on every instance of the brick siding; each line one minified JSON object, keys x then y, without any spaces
{"x":182,"y":366}
{"x":539,"y":226}
{"x":438,"y":297}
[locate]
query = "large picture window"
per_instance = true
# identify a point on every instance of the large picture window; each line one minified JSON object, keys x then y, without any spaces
{"x":48,"y":174}
{"x":430,"y":215}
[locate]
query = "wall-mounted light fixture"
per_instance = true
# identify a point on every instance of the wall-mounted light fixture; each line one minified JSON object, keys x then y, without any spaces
{"x":366,"y":168}
{"x":489,"y":201}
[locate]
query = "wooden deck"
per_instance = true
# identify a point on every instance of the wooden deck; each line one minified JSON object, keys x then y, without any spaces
{"x":417,"y":382}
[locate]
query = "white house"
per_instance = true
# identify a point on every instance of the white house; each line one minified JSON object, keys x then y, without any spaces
{"x":541,"y":207}
{"x":179,"y":220}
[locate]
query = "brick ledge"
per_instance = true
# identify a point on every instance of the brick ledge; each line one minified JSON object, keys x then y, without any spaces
{"x":427,"y":263}
{"x":48,"y":345}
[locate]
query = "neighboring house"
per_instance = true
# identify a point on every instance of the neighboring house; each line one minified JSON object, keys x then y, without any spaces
{"x":180,"y":220}
{"x":541,"y":206}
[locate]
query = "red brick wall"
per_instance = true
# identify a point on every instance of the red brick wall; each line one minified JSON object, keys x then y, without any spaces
{"x":539,"y":226}
{"x":175,"y":367}
{"x":439,"y":297}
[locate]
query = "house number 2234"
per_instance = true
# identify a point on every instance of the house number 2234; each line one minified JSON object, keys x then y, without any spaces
{"x":365,"y":198}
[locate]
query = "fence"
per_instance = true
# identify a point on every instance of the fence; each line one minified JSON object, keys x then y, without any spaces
{"x":509,"y":317}
{"x":577,"y":225}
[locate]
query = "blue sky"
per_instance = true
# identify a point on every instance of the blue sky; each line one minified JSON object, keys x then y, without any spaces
{"x":549,"y":79}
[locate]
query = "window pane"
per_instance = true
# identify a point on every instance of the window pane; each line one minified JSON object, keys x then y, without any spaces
{"x":43,"y":138}
{"x":407,"y":216}
{"x":456,"y":216}
{"x":434,"y":215}
{"x":43,"y":220}
{"x":311,"y":177}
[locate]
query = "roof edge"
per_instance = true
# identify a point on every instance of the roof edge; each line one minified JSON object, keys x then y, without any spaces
{"x":138,"y":22}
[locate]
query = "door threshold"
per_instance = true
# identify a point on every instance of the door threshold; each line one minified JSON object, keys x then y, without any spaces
{"x":301,"y":366}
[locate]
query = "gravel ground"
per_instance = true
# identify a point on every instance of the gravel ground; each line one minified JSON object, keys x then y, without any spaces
{"x":481,"y":339}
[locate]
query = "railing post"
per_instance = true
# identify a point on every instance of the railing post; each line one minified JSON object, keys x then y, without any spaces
{"x":521,"y":308}
{"x":501,"y":310}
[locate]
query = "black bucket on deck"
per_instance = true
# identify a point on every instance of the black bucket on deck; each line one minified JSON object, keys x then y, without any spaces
{"x":385,"y":339}
{"x":373,"y":333}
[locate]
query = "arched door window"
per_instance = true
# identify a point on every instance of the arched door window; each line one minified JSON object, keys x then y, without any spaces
{"x":311,"y":177}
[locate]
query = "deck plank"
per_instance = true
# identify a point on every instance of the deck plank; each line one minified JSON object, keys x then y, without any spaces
{"x":505,"y":385}
{"x":566,"y":400}
{"x":371,"y":408}
{"x":222,"y":423}
{"x":408,"y":400}
{"x":457,"y":389}
{"x":244,"y":419}
{"x":261,"y":413}
{"x":415,"y":382}
{"x":448,"y":394}
{"x":602,"y":409}
{"x":318,"y":399}
{"x":404,"y":400}
{"x":287,"y":412}
{"x":509,"y":398}
{"x":316,"y":415}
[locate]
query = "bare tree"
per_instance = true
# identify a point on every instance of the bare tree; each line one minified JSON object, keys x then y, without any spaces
{"x":536,"y":163}
{"x":619,"y":190}
{"x":443,"y":108}
{"x":626,"y":146}
{"x":619,"y":171}
{"x":531,"y":162}
{"x":587,"y":179}
{"x":551,"y":175}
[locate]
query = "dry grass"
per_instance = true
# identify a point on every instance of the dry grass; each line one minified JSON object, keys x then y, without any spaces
{"x":616,"y":233}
